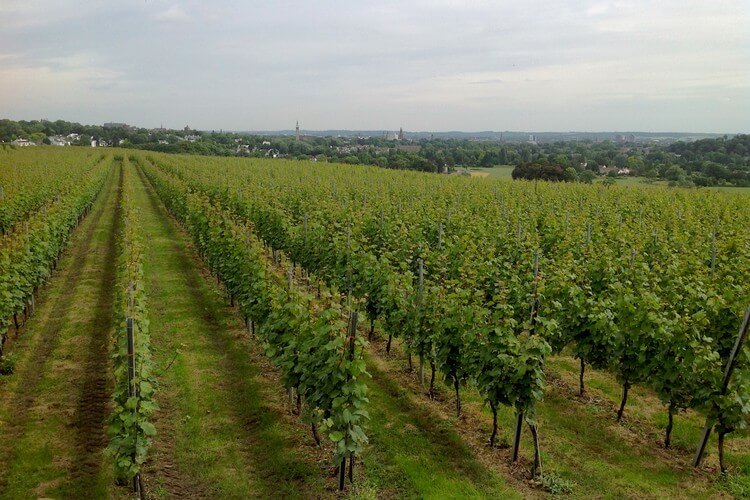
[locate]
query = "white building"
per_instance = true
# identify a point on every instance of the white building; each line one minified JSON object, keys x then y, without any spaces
{"x":59,"y":140}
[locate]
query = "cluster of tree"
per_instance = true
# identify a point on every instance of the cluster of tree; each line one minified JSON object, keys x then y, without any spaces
{"x":537,"y":171}
{"x":709,"y":162}
{"x":706,"y":162}
{"x":207,"y":148}
{"x":551,"y":172}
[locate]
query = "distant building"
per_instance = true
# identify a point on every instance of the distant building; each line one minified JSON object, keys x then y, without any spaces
{"x":605,"y":170}
{"x":296,"y":131}
{"x":392,"y":136}
{"x":22,"y":142}
{"x":59,"y":140}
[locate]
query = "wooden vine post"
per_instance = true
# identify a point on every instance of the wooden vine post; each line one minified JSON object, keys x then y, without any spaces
{"x":132,"y":391}
{"x":304,"y":230}
{"x":517,"y":437}
{"x":348,"y":259}
{"x":537,"y":467}
{"x":731,"y":363}
{"x":291,"y":390}
{"x":249,"y":321}
{"x":351,"y":336}
{"x":713,"y":252}
{"x":520,"y":416}
{"x":132,"y":387}
{"x":420,"y":296}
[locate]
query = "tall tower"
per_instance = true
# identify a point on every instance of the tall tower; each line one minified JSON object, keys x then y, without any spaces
{"x":401,"y":134}
{"x":296,"y":131}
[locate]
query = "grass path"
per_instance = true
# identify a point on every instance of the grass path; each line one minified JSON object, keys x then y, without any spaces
{"x":222,"y":428}
{"x":53,"y":408}
{"x":414,"y":453}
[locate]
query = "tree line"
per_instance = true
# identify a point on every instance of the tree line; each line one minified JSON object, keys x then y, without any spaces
{"x":706,"y":162}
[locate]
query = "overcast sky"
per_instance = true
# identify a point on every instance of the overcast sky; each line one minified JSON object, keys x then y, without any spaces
{"x":556,"y":65}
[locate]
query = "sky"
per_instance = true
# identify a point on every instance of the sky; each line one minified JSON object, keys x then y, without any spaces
{"x":424,"y":65}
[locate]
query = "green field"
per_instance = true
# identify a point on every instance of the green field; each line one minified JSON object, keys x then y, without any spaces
{"x":499,"y":172}
{"x":504,"y":172}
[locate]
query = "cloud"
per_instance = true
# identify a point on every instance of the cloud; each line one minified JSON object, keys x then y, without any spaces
{"x":488,"y":81}
{"x":428,"y":64}
{"x":173,"y":15}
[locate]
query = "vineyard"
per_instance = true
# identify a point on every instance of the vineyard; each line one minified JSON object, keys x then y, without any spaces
{"x":190,"y":326}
